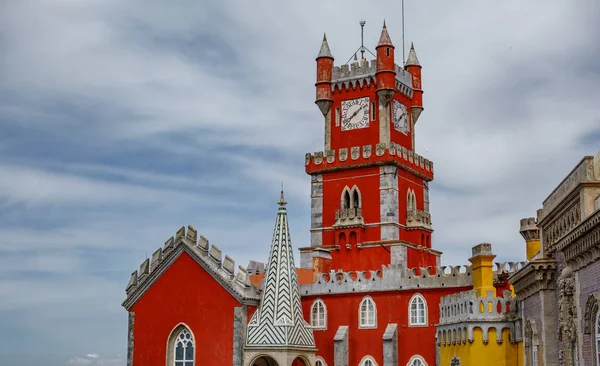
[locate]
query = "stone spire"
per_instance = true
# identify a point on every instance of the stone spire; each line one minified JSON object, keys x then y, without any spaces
{"x":412,"y":59}
{"x":278,"y":322}
{"x":324,"y":51}
{"x":385,"y":39}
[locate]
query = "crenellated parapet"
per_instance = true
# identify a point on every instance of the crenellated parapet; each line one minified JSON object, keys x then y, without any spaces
{"x":379,"y":154}
{"x":391,"y":277}
{"x":462,"y":313}
{"x":363,"y":73}
{"x":208,"y":256}
{"x":466,"y":306}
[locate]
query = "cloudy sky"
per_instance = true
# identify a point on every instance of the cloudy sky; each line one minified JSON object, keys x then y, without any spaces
{"x":122,"y":120}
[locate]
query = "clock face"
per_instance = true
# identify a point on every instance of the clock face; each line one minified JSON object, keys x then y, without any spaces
{"x":355,"y":114}
{"x":400,"y":117}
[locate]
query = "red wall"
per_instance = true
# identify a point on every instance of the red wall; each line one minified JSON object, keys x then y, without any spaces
{"x":392,"y":307}
{"x":184,"y":293}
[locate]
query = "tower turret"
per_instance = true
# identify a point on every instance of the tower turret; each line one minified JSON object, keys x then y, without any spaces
{"x":324,"y":74}
{"x":531,"y":234}
{"x":386,"y":82}
{"x":413,"y":66}
{"x":482,"y":266}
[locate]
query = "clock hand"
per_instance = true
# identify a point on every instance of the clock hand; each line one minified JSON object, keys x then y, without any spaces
{"x":355,"y":113}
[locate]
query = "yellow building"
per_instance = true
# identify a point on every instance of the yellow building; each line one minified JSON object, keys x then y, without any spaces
{"x":477,"y":327}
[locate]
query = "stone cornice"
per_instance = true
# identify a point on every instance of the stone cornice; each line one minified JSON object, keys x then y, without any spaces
{"x":582,"y":246}
{"x":536,"y":276}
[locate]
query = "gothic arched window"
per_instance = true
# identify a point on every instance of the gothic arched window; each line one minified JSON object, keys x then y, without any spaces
{"x":320,"y":361}
{"x":368,"y":361}
{"x":417,"y":310}
{"x":346,"y":199}
{"x":355,"y":198}
{"x":367,"y":313}
{"x":318,"y":315}
{"x":417,"y":360}
{"x":181,"y":350}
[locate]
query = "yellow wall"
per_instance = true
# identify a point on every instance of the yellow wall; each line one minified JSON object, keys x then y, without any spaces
{"x":533,"y":247}
{"x":477,"y":353}
{"x":483,"y":274}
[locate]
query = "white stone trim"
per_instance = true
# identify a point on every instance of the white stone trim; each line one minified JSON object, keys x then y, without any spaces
{"x":363,"y":361}
{"x":321,"y":360}
{"x":171,"y":342}
{"x":368,"y":325}
{"x":414,"y":298}
{"x":312,"y":320}
{"x":415,"y":358}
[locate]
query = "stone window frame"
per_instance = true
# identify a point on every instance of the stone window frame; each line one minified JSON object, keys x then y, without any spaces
{"x":319,"y":361}
{"x":368,"y":361}
{"x":353,"y":196}
{"x":591,"y":323}
{"x":371,"y":321}
{"x":411,"y":201}
{"x":531,"y":344}
{"x":415,"y":298}
{"x":315,"y":322}
{"x":417,"y":360}
{"x":172,"y":339}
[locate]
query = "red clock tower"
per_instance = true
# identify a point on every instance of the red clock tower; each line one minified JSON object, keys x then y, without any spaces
{"x":369,"y":196}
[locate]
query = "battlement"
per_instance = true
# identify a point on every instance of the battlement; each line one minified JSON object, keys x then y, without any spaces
{"x":529,"y":229}
{"x":395,"y":277}
{"x":391,"y":277}
{"x":357,"y":155}
{"x":208,"y":256}
{"x":363,"y":72}
{"x":466,"y":306}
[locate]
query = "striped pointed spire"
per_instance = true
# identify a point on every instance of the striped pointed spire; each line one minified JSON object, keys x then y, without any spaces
{"x":278,"y":322}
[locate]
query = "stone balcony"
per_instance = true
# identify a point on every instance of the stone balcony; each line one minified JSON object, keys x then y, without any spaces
{"x":349,"y":217}
{"x":418,"y":218}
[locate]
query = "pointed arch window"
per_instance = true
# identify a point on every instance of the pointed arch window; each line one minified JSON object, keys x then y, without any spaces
{"x":368,"y":361}
{"x":346,"y":200}
{"x":355,"y":198}
{"x":417,"y":360}
{"x":417,"y":311}
{"x":181,"y":351}
{"x":318,"y":315}
{"x":367,"y":313}
{"x":320,"y":361}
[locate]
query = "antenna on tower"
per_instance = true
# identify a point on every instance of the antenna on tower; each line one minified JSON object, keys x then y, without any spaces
{"x":403,"y":46}
{"x":362,"y":38}
{"x":362,"y":47}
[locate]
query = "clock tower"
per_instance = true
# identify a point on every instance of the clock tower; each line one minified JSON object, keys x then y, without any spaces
{"x":369,"y":196}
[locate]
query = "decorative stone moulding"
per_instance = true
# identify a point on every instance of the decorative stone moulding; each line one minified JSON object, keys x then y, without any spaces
{"x":208,"y":256}
{"x":399,"y":153}
{"x":461,"y":333}
{"x":348,"y":217}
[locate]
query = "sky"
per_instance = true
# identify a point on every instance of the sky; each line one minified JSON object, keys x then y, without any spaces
{"x":123,"y":120}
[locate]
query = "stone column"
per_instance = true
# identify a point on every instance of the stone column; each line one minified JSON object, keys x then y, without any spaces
{"x":130,"y":338}
{"x":240,"y":319}
{"x":340,"y":346}
{"x":390,"y":345}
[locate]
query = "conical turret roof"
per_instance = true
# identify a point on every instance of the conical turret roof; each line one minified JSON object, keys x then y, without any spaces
{"x":384,"y":39}
{"x":324,"y":51}
{"x":278,"y":321}
{"x":412,"y":59}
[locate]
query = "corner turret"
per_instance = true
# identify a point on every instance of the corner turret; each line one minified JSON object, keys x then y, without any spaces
{"x":386,"y":82}
{"x":531,"y":234}
{"x":482,"y":266}
{"x":324,"y":74}
{"x":413,"y":66}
